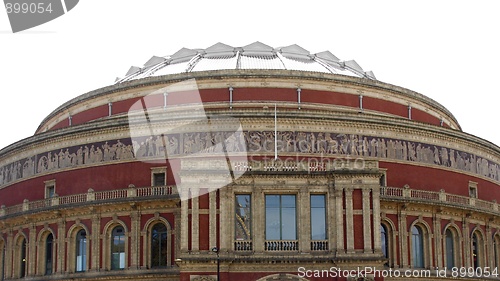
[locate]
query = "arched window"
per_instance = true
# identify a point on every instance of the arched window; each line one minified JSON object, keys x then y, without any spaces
{"x":49,"y":251}
{"x":81,"y":251}
{"x":496,"y":253}
{"x":159,"y":245}
{"x":450,"y":249}
{"x":22,"y":261}
{"x":476,"y":250}
{"x":2,"y":258}
{"x":118,"y":248}
{"x":385,"y":240}
{"x":417,"y":246}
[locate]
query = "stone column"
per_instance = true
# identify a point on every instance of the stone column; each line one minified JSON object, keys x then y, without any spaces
{"x":349,"y":224}
{"x":259,"y":226}
{"x":331,"y":223}
{"x":403,"y":237}
{"x":367,"y":236}
{"x":61,"y":246}
{"x":135,"y":235}
{"x":96,"y":242}
{"x":376,"y":220}
{"x":489,"y":248}
{"x":339,"y":218}
{"x":32,"y":257}
{"x":226,"y":218}
{"x":9,"y":254}
{"x":438,"y":241}
{"x":304,"y":212}
{"x":467,"y":245}
{"x":195,"y":220}
{"x":184,"y":220}
{"x":212,"y":199}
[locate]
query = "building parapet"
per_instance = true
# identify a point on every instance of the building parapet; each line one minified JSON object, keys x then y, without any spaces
{"x":90,"y":197}
{"x":437,"y":197}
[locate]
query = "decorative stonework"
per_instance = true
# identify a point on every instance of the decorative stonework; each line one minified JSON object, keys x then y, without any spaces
{"x":322,"y":144}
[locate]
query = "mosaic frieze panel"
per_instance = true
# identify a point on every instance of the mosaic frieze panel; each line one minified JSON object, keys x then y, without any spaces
{"x":257,"y":142}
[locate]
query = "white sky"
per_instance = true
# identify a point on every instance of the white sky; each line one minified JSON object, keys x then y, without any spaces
{"x":446,"y":50}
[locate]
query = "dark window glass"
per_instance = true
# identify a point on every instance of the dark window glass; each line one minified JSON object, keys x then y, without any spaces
{"x":417,"y":246}
{"x":158,"y":179}
{"x":81,"y":251}
{"x":118,"y":248}
{"x":475,"y":250}
{"x":22,"y":267}
{"x":49,"y":243}
{"x":385,"y":241}
{"x":243,"y":217}
{"x":450,"y":250}
{"x":159,"y":245}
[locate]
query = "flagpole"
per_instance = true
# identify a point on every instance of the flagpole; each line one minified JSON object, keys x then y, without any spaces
{"x":275,"y":134}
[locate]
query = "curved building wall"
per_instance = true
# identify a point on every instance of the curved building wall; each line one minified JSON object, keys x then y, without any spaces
{"x":148,"y":190}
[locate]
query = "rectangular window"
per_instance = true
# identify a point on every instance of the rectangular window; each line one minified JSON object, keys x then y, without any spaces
{"x":281,"y":217}
{"x":473,"y":189}
{"x":243,"y":217}
{"x":158,"y":179}
{"x":50,"y":191}
{"x":318,"y":217}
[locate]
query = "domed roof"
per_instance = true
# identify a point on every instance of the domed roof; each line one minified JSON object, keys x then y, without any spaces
{"x":254,"y":56}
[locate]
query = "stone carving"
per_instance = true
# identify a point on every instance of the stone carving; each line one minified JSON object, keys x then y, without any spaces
{"x":325,"y":144}
{"x":203,"y":278}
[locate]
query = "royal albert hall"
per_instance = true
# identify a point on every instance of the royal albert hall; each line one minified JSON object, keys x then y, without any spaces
{"x":250,"y":163}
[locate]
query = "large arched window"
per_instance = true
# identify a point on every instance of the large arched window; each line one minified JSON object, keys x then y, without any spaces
{"x":496,"y":253}
{"x":450,"y":249}
{"x":159,"y":245}
{"x":384,"y":235}
{"x":2,"y":258}
{"x":22,"y":258}
{"x":81,"y":251}
{"x":417,"y":246}
{"x":49,"y":252}
{"x":118,"y":248}
{"x":477,"y":255}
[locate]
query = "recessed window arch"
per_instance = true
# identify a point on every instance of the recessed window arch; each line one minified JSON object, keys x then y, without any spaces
{"x":118,"y":248}
{"x":477,"y":249}
{"x":49,"y":254}
{"x":159,"y":245}
{"x":81,"y":251}
{"x":158,"y":241}
{"x":450,"y":248}
{"x":78,"y":257}
{"x":417,"y":246}
{"x":20,"y":256}
{"x":496,"y":250}
{"x":2,"y":257}
{"x":115,"y":245}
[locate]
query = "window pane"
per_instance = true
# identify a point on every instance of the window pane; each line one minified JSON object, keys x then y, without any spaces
{"x":159,"y":179}
{"x":81,"y":251}
{"x":383,"y":236}
{"x":318,"y":217}
{"x":450,"y":251}
{"x":243,"y":216}
{"x":417,"y":247}
{"x":273,"y":224}
{"x":318,"y":201}
{"x":281,"y":220}
{"x":48,"y":254}
{"x":288,"y":201}
{"x":159,"y":245}
{"x":118,"y":248}
{"x":288,"y":223}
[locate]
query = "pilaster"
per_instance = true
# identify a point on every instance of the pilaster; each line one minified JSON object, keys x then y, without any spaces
{"x":367,"y":230}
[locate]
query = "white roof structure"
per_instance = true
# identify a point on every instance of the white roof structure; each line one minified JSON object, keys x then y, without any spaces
{"x":254,"y":56}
